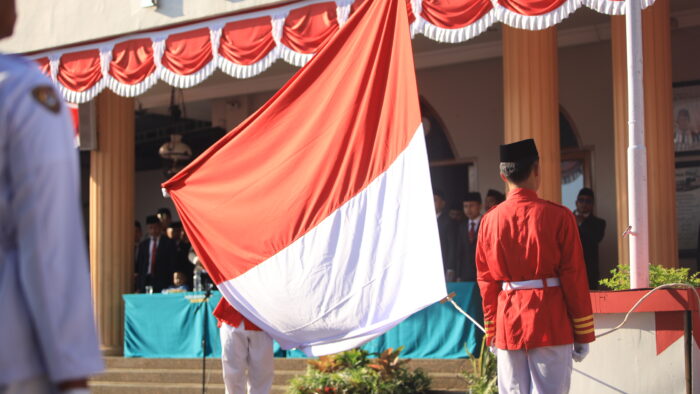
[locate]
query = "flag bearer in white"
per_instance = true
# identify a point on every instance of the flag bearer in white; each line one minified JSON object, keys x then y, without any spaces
{"x":48,"y":342}
{"x":244,"y":347}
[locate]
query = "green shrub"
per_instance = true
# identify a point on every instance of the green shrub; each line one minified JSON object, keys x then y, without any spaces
{"x":354,"y":372}
{"x":482,"y":378}
{"x":658,"y":275}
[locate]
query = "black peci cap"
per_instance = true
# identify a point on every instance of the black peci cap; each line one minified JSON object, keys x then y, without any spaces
{"x":152,"y":219}
{"x":519,"y":151}
{"x":473,"y":196}
{"x":586,"y":191}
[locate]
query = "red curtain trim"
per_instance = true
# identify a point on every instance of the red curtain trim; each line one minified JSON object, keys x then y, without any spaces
{"x":188,"y":52}
{"x":244,"y":48}
{"x":132,"y":61}
{"x":44,"y":65}
{"x":80,"y":71}
{"x":454,"y":14}
{"x":306,"y":29}
{"x":248,"y":41}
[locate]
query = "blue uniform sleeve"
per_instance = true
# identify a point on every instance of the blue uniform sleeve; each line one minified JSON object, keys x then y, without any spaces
{"x":45,"y":206}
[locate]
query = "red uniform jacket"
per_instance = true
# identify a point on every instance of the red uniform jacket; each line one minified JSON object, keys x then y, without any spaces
{"x":225,"y":313}
{"x":527,"y":238}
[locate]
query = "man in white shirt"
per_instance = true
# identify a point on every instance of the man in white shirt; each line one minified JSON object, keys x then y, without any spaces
{"x":48,"y":341}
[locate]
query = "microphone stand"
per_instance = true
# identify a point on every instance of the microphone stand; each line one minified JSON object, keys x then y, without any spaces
{"x":205,"y":302}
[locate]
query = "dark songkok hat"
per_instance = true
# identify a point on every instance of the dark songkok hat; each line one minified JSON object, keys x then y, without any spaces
{"x":494,"y":193}
{"x":152,"y":219}
{"x":586,"y":191}
{"x":519,"y":151}
{"x":175,"y":225}
{"x":474,"y":196}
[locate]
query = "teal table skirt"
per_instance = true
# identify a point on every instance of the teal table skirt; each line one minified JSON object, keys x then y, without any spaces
{"x":172,"y":326}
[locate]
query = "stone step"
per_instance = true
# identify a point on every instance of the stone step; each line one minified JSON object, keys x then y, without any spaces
{"x":165,"y":388}
{"x":177,"y":376}
{"x":141,"y":375}
{"x":192,"y":363}
{"x":284,"y":364}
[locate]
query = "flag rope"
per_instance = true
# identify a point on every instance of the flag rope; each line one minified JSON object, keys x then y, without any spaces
{"x":669,"y":285}
{"x":449,"y":298}
{"x":619,"y":326}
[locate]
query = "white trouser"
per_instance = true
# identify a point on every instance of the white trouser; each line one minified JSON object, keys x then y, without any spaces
{"x":243,"y":350}
{"x":543,"y":370}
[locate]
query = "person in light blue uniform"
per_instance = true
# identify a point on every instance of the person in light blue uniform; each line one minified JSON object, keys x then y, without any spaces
{"x":48,"y":341}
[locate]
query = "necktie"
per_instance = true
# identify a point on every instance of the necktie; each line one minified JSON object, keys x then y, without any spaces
{"x":472,"y":232}
{"x":154,"y":247}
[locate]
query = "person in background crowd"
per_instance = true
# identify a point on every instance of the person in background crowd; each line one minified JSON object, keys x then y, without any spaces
{"x":165,"y":218}
{"x":493,"y":198}
{"x":532,"y":277}
{"x":174,"y":231}
{"x":244,"y":348}
{"x":456,"y":214}
{"x":684,"y":137}
{"x":48,"y":341}
{"x":179,"y":284}
{"x":467,"y":237}
{"x":138,"y":234}
{"x":182,"y":250}
{"x":592,"y":230}
{"x":156,"y":259}
{"x":447,"y":229}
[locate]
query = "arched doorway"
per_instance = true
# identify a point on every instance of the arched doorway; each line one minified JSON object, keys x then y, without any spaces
{"x":450,"y":176}
{"x":575,"y":161}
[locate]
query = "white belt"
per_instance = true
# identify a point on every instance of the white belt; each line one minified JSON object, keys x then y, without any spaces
{"x":531,"y":284}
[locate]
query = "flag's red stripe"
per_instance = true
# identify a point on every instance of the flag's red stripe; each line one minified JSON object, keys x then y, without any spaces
{"x":333,"y":128}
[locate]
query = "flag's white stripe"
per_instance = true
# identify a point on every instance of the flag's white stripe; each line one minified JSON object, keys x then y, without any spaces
{"x":365,"y":268}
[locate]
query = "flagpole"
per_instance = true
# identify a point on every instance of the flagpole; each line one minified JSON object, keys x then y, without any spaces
{"x":636,"y":151}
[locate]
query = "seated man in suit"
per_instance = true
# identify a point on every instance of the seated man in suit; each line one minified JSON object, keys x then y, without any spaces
{"x":466,"y":238}
{"x":155,"y":262}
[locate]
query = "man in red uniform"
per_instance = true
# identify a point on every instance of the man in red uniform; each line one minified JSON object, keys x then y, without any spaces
{"x":532,"y":278}
{"x":244,"y":347}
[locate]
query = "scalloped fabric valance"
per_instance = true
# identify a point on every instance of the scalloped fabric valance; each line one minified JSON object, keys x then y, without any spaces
{"x":244,"y":45}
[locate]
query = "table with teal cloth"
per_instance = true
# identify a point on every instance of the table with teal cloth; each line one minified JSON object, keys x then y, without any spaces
{"x":171,"y":326}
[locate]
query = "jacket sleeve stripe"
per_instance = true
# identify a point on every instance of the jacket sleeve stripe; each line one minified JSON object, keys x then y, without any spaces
{"x":583,"y":332}
{"x":581,"y":319}
{"x":584,"y":325}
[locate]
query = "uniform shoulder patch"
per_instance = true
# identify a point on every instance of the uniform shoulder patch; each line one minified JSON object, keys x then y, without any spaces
{"x":46,"y":96}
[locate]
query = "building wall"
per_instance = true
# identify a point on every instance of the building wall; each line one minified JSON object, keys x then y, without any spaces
{"x":70,"y":22}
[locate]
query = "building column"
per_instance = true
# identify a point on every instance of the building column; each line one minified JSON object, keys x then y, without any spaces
{"x":658,"y":112}
{"x":112,"y":217}
{"x":531,"y":99}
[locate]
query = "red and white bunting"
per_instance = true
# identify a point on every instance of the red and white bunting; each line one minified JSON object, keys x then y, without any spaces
{"x":245,"y":45}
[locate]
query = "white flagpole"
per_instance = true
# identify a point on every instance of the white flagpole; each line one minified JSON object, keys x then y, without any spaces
{"x":636,"y":151}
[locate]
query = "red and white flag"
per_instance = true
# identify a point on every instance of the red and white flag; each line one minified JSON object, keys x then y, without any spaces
{"x":315,"y":216}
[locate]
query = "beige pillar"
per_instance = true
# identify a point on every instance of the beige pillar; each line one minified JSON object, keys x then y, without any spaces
{"x":112,"y":217}
{"x":658,"y":112}
{"x":531,"y":99}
